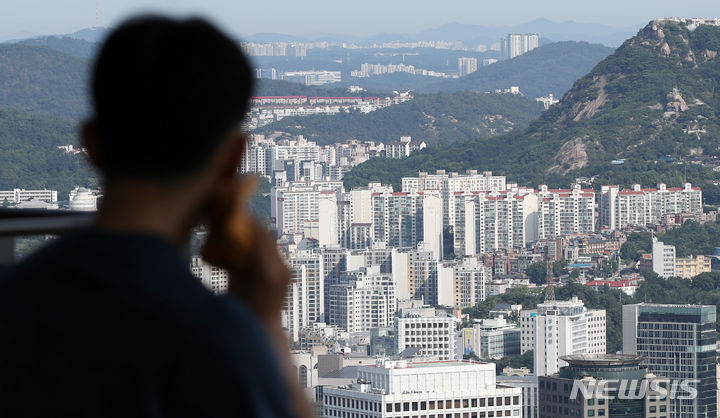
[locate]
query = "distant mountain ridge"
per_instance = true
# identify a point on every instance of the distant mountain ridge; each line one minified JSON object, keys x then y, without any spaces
{"x":548,"y":69}
{"x":657,"y":95}
{"x":556,"y":31}
{"x":66,"y":44}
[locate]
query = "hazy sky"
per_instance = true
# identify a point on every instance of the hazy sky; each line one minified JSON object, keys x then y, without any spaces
{"x":356,"y":17}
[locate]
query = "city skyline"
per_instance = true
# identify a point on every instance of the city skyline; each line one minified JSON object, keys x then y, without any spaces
{"x":21,"y":19}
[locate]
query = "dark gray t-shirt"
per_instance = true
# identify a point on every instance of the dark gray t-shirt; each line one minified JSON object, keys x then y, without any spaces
{"x":101,"y":324}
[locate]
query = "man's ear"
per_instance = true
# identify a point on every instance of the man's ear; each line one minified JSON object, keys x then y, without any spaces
{"x":91,"y":142}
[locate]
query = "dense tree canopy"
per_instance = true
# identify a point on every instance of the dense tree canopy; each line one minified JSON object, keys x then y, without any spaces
{"x":430,"y":118}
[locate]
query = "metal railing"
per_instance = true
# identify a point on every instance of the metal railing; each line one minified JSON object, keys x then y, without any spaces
{"x":19,"y":222}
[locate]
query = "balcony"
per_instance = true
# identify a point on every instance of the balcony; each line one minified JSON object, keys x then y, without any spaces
{"x":15,"y":223}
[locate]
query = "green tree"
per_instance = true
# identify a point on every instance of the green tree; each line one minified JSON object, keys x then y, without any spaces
{"x":537,"y":272}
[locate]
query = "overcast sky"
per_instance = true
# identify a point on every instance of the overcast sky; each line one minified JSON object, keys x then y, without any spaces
{"x":20,"y":18}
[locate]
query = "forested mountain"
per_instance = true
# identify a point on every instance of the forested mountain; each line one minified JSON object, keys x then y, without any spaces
{"x":29,"y":156}
{"x":72,"y":46}
{"x":431,"y":118}
{"x":658,"y":95}
{"x":42,"y":80}
{"x":548,"y":69}
{"x":266,"y":87}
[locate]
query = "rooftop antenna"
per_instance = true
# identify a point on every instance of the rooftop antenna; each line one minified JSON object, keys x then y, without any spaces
{"x":97,"y":13}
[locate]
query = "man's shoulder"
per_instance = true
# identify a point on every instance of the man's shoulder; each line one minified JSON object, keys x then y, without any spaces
{"x":140,"y":274}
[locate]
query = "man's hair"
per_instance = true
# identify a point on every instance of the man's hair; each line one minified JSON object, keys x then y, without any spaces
{"x":166,"y":93}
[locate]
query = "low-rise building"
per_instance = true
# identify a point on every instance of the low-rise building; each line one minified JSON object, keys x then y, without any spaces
{"x":627,"y":286}
{"x":426,"y":328}
{"x":692,"y":265}
{"x":437,"y":388}
{"x":496,"y":338}
{"x":529,"y":385}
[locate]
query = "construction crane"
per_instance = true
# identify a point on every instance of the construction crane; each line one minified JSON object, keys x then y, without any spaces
{"x":549,"y":278}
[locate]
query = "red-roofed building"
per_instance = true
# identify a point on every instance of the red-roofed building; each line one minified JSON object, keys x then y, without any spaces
{"x":565,"y":211}
{"x":628,"y":286}
{"x":640,"y":207}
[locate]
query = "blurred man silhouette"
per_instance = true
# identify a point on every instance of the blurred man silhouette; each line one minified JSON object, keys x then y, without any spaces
{"x":108,"y":321}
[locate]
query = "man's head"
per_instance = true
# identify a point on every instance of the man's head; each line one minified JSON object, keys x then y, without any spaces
{"x":167,"y":94}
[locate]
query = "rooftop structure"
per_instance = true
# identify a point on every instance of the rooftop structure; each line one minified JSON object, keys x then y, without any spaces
{"x":398,"y":388}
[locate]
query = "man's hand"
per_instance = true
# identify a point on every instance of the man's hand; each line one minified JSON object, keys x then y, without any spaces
{"x":237,"y":243}
{"x":258,"y":274}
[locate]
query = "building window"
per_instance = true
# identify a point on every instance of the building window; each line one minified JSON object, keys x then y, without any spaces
{"x":591,"y":412}
{"x":516,"y":400}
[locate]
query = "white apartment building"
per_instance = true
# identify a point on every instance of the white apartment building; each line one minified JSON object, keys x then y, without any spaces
{"x":310,"y":207}
{"x":404,"y":219}
{"x":424,"y":277}
{"x":357,"y":228}
{"x":294,"y":309}
{"x":417,"y":274}
{"x":561,"y":328}
{"x":363,"y":299}
{"x":469,"y":278}
{"x":214,"y":278}
{"x":297,"y":150}
{"x":308,"y":273}
{"x":438,"y":388}
{"x":450,"y":183}
{"x":325,"y":227}
{"x":518,"y":43}
{"x":313,"y":78}
{"x":488,"y":221}
{"x":565,"y":211}
{"x":527,"y":330}
{"x":423,"y":327}
{"x":20,"y":195}
{"x":403,"y":148}
{"x":467,"y":65}
{"x":663,"y":258}
{"x":256,"y":158}
{"x":639,"y":207}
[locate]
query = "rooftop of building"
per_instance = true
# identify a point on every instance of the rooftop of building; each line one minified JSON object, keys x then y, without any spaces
{"x":401,"y":364}
{"x":597,"y":360}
